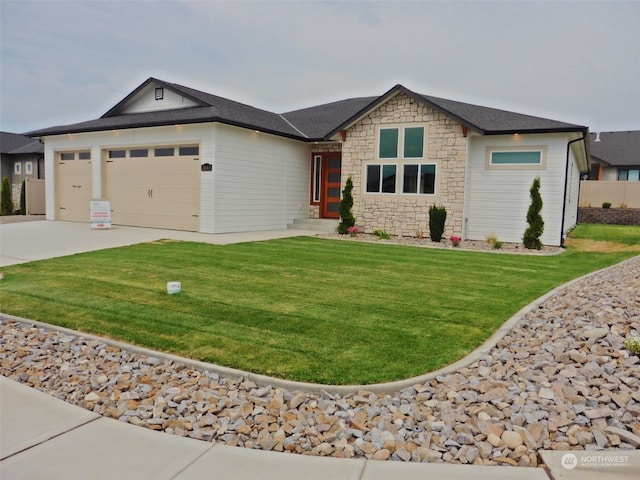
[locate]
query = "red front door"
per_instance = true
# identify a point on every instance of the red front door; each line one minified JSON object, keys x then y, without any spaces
{"x":331,"y":185}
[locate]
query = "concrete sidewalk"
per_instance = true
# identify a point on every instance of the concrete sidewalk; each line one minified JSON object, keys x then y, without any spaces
{"x":43,"y":437}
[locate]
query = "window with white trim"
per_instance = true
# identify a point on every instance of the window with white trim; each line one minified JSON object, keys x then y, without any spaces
{"x":419,"y":178}
{"x":28,"y":168}
{"x":17,"y":168}
{"x":520,"y":157}
{"x":531,"y":157}
{"x":317,"y":178}
{"x":401,"y":142}
{"x":381,"y":178}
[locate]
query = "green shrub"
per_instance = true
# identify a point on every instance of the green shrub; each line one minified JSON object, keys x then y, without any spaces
{"x":382,"y":234}
{"x":437,"y":218}
{"x":347,"y":219}
{"x":533,"y":232}
{"x":633,"y":345}
{"x":606,"y":205}
{"x":6,"y":204}
{"x":23,"y":199}
{"x":497,"y":244}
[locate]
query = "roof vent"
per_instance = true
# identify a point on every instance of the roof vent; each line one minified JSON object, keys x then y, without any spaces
{"x":159,"y":93}
{"x":597,"y":137}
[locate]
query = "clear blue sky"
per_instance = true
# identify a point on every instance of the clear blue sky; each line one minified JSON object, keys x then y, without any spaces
{"x":69,"y":61}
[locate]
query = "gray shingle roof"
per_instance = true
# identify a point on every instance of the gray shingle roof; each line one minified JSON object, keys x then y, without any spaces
{"x":313,"y":123}
{"x":15,"y":143}
{"x":616,"y":148}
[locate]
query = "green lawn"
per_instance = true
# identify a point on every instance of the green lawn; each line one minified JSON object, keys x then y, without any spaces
{"x":325,"y":311}
{"x":625,"y":234}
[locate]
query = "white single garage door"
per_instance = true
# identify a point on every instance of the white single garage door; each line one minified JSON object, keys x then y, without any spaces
{"x":73,"y":186}
{"x":154,"y":187}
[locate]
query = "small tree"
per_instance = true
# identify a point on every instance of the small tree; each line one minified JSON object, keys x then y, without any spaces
{"x":346,"y":217}
{"x":23,"y":199}
{"x":437,"y":218}
{"x":6,"y":203}
{"x":534,"y":231}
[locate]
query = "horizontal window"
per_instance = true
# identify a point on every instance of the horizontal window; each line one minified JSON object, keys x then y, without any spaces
{"x":84,"y":155}
{"x":419,"y":179}
{"x":164,"y":152}
{"x":516,"y":158}
{"x":186,"y":151}
{"x":67,"y":156}
{"x":630,"y":175}
{"x":139,"y":153}
{"x":117,"y":153}
{"x":381,"y":179}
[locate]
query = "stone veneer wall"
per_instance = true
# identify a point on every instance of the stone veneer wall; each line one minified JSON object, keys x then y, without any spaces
{"x":401,"y":214}
{"x":314,"y":210}
{"x":609,"y":216}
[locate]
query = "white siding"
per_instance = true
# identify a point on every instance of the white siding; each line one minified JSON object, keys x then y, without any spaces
{"x":97,"y":142}
{"x":497,"y":200}
{"x":261,"y":180}
{"x":145,"y":101}
{"x":573,"y":192}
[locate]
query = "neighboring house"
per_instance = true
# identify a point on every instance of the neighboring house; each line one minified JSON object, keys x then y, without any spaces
{"x":615,"y":156}
{"x":614,"y":174}
{"x":174,"y":157}
{"x":21,"y":158}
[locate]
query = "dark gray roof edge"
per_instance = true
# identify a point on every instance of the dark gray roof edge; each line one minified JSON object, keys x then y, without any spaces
{"x":65,"y":129}
{"x":298,"y":133}
{"x":432,"y":102}
{"x":149,"y":80}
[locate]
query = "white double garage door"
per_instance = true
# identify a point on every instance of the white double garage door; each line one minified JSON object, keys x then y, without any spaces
{"x":148,"y":187}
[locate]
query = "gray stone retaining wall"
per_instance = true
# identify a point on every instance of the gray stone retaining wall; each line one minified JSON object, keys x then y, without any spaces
{"x":609,"y":216}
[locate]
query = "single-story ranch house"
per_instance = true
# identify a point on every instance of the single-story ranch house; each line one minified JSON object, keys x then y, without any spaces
{"x":173,"y":157}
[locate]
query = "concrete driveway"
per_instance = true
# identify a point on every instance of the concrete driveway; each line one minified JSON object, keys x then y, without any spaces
{"x":22,"y":242}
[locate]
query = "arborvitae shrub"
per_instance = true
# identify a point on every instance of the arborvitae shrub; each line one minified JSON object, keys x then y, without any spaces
{"x":534,"y":231}
{"x":437,"y":218}
{"x":346,"y":217}
{"x":23,"y":199}
{"x":6,"y":204}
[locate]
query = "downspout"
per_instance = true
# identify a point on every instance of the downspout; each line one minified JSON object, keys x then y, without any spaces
{"x":566,"y":185}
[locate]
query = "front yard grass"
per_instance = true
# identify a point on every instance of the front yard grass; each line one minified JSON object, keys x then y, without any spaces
{"x":308,"y":309}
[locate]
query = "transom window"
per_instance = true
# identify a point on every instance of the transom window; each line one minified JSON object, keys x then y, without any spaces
{"x":401,"y":142}
{"x":516,"y":158}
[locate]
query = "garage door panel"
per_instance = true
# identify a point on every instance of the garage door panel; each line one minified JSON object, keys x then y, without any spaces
{"x":73,"y":190}
{"x":162,"y":192}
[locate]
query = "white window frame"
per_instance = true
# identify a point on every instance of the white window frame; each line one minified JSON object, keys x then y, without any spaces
{"x":435,"y":178}
{"x":28,"y":168}
{"x":541,"y":165}
{"x":400,"y":153}
{"x":316,"y":179}
{"x":381,"y":165}
{"x":17,"y":168}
